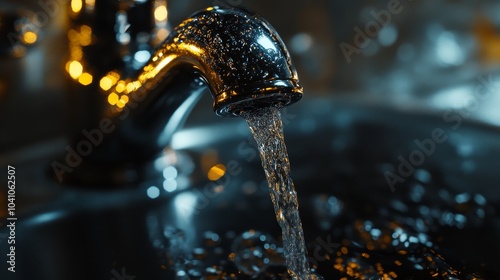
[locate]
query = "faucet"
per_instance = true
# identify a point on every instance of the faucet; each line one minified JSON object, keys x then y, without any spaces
{"x":234,"y":53}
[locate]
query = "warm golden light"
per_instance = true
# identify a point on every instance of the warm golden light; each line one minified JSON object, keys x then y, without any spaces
{"x":75,"y":69}
{"x":137,"y":84}
{"x":120,"y":87}
{"x":161,"y":13}
{"x":162,"y":64}
{"x":488,"y":40}
{"x":85,"y":35}
{"x":208,"y":159}
{"x":120,"y":103}
{"x":124,"y":99}
{"x":150,"y":71}
{"x":130,"y":87}
{"x":216,"y":172}
{"x":112,"y":98}
{"x":191,"y":48}
{"x":105,"y":83}
{"x":73,"y":35}
{"x":90,"y":4}
{"x":76,"y":5}
{"x":86,"y":30}
{"x":85,"y":79}
{"x":113,"y":77}
{"x":344,"y":250}
{"x":29,"y":37}
{"x":76,"y":52}
{"x":162,"y":34}
{"x":86,"y":41}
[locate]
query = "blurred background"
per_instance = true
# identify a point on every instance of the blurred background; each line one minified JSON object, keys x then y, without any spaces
{"x":425,"y":54}
{"x":64,"y":63}
{"x":60,"y":58}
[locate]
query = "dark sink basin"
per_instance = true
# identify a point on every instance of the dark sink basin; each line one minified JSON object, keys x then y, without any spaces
{"x":438,"y":213}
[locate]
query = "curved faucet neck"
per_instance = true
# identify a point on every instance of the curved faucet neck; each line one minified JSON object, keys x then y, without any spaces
{"x":233,"y":52}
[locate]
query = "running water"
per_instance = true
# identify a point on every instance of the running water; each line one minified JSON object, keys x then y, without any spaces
{"x":267,"y":129}
{"x":425,"y":230}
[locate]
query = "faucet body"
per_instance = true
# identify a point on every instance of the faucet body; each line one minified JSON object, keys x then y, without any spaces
{"x":234,"y":53}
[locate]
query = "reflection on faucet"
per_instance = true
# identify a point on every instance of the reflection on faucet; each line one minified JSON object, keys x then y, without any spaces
{"x":236,"y":53}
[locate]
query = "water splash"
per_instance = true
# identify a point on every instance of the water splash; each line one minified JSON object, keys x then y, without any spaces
{"x":267,"y":129}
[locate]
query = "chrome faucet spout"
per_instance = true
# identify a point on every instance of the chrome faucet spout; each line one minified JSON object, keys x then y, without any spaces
{"x":237,"y":53}
{"x":234,"y":53}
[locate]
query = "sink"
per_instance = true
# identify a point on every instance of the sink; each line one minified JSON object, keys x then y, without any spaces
{"x":341,"y":154}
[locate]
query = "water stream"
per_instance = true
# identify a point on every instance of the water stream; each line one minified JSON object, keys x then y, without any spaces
{"x":426,"y":230}
{"x":267,"y":129}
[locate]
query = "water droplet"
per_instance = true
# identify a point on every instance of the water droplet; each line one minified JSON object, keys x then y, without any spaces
{"x":462,"y":198}
{"x":423,"y":175}
{"x":181,"y":275}
{"x":211,"y":238}
{"x":252,"y":251}
{"x":199,"y":253}
{"x":212,"y":273}
{"x":194,"y":268}
{"x":479,"y":199}
{"x":153,"y":192}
